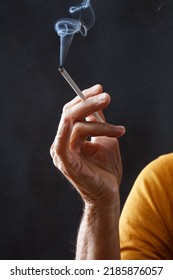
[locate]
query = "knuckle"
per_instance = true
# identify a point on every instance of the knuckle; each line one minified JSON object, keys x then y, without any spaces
{"x":78,"y":126}
{"x":56,"y":161}
{"x":58,"y":148}
{"x":66,"y":113}
{"x":78,"y":130}
{"x":65,"y":107}
{"x":55,"y":150}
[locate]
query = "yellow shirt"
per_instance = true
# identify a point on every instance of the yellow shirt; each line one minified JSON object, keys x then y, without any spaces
{"x":146,"y":223}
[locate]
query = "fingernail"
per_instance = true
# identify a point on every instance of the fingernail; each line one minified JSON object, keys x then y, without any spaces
{"x":120,"y":127}
{"x":102,"y":96}
{"x":95,"y":88}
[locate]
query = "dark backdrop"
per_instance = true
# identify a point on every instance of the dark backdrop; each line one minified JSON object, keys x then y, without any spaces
{"x":129,"y":51}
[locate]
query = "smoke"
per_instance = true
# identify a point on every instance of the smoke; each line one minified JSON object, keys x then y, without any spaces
{"x":66,"y":28}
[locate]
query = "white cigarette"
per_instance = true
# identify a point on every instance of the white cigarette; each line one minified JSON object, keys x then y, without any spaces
{"x":77,"y":90}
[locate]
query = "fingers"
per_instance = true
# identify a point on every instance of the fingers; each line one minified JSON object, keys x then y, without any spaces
{"x":87,"y":93}
{"x":86,"y":107}
{"x":72,"y":111}
{"x":81,"y":130}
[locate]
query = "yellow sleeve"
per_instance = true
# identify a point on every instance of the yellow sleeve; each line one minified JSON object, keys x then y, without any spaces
{"x":146,"y":222}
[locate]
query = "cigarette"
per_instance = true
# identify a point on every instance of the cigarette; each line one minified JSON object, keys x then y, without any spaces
{"x":77,"y":90}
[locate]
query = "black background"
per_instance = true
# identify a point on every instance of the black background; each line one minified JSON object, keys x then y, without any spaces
{"x":128,"y":51}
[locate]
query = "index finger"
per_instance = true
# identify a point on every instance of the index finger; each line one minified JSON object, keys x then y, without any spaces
{"x":97,"y":89}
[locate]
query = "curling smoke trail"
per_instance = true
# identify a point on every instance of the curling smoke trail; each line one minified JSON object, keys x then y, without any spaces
{"x":67,"y":27}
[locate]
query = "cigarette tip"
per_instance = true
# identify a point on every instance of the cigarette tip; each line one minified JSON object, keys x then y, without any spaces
{"x":60,"y":68}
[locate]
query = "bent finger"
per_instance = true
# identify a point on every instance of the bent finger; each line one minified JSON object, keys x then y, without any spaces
{"x":81,"y":130}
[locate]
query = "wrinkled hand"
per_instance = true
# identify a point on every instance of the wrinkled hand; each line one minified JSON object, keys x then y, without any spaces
{"x":93,"y":167}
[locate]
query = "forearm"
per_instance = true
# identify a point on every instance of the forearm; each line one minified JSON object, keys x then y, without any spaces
{"x":98,"y":236}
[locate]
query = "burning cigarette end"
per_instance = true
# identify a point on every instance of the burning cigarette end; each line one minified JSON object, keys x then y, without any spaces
{"x":77,"y":90}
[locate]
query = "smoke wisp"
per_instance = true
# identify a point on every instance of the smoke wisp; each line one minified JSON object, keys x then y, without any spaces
{"x":66,"y":28}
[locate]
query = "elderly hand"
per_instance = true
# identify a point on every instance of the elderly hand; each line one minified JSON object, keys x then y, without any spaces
{"x":93,"y":167}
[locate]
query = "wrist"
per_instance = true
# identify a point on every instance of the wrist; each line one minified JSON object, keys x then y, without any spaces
{"x":103,"y":211}
{"x":109,"y":202}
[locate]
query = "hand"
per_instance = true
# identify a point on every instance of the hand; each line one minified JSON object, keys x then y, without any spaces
{"x":93,"y":167}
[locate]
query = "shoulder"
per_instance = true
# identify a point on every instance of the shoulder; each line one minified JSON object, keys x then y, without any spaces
{"x":146,"y":219}
{"x":162,"y":167}
{"x":156,"y":178}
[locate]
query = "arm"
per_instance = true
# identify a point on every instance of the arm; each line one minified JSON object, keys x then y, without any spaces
{"x":94,"y":168}
{"x":98,"y":236}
